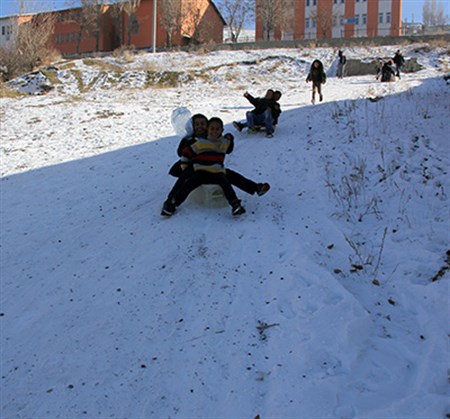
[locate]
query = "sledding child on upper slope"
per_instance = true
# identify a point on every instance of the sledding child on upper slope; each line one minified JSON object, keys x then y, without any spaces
{"x":183,"y":167}
{"x":265,"y":113}
{"x":318,"y":77}
{"x":207,"y":167}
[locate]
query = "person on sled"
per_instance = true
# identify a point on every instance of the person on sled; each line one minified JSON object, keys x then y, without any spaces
{"x":206,"y":157}
{"x":265,"y":113}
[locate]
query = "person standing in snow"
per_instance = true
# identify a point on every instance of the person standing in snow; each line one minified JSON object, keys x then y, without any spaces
{"x":207,"y":167}
{"x":318,"y":77}
{"x":399,"y":61}
{"x":342,"y":61}
{"x":379,"y":68}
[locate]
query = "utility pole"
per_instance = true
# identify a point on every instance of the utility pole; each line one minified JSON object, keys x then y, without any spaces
{"x":155,"y":8}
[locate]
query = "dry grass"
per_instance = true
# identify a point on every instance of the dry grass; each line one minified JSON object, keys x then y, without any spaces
{"x":438,"y":43}
{"x":67,"y":66}
{"x":206,"y":48}
{"x":167,"y":79}
{"x":52,"y":76}
{"x":124,"y":53}
{"x":101,"y":64}
{"x":7,"y":92}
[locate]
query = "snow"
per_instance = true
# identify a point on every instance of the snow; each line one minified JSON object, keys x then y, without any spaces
{"x":316,"y":303}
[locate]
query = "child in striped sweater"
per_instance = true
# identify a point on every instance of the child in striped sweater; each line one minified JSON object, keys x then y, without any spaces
{"x":207,"y":157}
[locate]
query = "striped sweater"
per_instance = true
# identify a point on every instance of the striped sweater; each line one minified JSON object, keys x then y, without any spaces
{"x":208,"y":155}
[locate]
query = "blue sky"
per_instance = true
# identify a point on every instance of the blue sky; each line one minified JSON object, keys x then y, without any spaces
{"x":411,"y":8}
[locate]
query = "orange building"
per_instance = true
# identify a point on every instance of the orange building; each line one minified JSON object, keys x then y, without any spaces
{"x":324,"y":19}
{"x":111,"y":28}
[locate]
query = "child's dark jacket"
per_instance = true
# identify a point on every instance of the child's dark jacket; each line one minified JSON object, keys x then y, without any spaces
{"x":317,"y":75}
{"x":260,"y":103}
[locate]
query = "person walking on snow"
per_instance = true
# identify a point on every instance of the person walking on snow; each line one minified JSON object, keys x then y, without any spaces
{"x":399,"y":62}
{"x":318,"y":77}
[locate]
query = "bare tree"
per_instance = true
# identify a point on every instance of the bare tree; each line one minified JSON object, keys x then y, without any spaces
{"x":31,"y":46}
{"x":275,"y":15}
{"x":324,"y":20}
{"x":433,"y":13}
{"x":130,"y":7}
{"x":236,"y":13}
{"x":86,"y":20}
{"x":171,"y":18}
{"x":116,"y":10}
{"x":91,"y":18}
{"x":441,"y":19}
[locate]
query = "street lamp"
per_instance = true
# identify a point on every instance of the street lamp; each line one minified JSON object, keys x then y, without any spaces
{"x":155,"y":7}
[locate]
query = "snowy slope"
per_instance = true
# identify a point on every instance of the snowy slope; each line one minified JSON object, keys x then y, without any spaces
{"x":318,"y":302}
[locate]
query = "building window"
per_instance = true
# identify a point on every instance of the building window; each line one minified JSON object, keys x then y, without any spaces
{"x":335,"y":1}
{"x":342,"y":1}
{"x":388,"y":17}
{"x":380,"y":18}
{"x":364,"y":19}
{"x":307,"y":23}
{"x":3,"y":30}
{"x":307,"y":3}
{"x":313,"y":23}
{"x":315,"y":2}
{"x":341,"y":19}
{"x":356,"y":19}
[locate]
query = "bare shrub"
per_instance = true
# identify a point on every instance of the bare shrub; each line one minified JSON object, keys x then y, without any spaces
{"x":125,"y":53}
{"x":351,"y":193}
{"x":31,"y":47}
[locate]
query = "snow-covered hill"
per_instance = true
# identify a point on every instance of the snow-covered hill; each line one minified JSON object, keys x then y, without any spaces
{"x":328,"y":298}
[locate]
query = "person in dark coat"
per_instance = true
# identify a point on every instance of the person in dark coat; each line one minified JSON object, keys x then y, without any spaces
{"x":207,"y":167}
{"x":318,"y":77}
{"x":342,"y":61}
{"x":262,"y":114}
{"x":183,"y":168}
{"x":259,"y":115}
{"x":399,"y":62}
{"x":379,"y":68}
{"x":388,"y":71}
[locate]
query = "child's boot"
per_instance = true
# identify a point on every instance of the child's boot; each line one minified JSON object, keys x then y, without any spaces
{"x":168,"y":208}
{"x":237,"y":208}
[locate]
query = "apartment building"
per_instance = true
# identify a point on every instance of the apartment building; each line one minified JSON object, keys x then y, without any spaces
{"x":8,"y":29}
{"x":324,"y":19}
{"x":201,"y":22}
